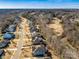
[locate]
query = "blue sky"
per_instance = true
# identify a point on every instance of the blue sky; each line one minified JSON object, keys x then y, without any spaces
{"x":39,"y":4}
